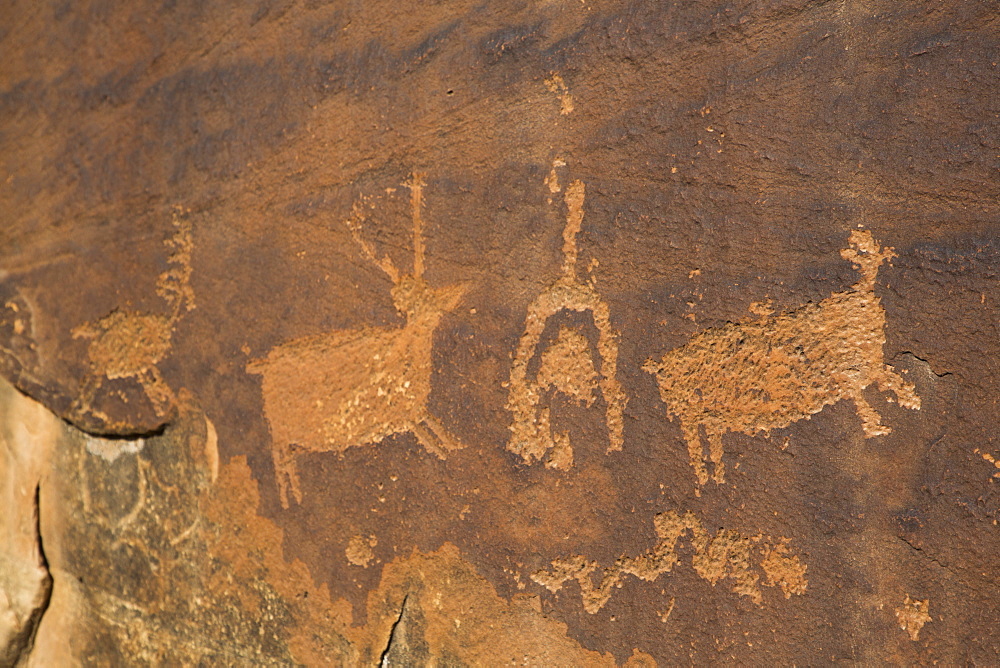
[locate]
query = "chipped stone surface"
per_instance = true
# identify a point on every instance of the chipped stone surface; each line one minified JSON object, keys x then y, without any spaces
{"x":727,"y":554}
{"x":912,"y":616}
{"x":512,"y":207}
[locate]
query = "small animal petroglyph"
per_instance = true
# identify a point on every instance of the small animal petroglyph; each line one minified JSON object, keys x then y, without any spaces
{"x":725,"y":555}
{"x":567,"y":366}
{"x":128,"y":344}
{"x":351,"y":388}
{"x":766,"y":374}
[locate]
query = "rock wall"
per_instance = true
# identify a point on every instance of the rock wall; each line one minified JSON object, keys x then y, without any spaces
{"x":559,"y":333}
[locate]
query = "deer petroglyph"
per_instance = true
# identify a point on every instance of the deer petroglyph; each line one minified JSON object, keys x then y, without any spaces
{"x":766,"y":374}
{"x":347,"y":388}
{"x":567,"y":366}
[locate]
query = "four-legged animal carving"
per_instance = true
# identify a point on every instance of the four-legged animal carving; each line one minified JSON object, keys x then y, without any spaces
{"x":351,"y":388}
{"x":767,"y":374}
{"x":130,"y":345}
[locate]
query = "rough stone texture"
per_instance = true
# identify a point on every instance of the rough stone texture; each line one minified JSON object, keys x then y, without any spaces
{"x":557,"y":332}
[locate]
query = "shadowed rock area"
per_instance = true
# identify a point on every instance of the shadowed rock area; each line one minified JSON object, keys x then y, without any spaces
{"x":552,"y":333}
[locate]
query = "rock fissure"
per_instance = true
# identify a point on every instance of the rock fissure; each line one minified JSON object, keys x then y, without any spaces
{"x":20,"y":645}
{"x":392,"y":640}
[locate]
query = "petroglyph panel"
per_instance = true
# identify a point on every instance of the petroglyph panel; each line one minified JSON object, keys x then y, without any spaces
{"x":341,"y":389}
{"x":607,"y":183}
{"x":767,"y":374}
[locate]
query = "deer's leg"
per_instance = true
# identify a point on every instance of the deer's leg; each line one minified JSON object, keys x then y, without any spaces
{"x":906,"y":393}
{"x":434,"y":437}
{"x":715,"y":452}
{"x":157,"y":390}
{"x":693,"y":439}
{"x":871,"y":421}
{"x":286,"y":473}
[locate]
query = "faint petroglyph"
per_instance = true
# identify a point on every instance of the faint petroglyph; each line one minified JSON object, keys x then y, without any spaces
{"x":992,"y":460}
{"x":664,"y":615}
{"x":762,"y":375}
{"x":567,"y":366}
{"x":783,"y":569}
{"x":359,"y":550}
{"x":129,"y":345}
{"x":552,"y":180}
{"x":726,"y":555}
{"x":556,"y":85}
{"x":18,"y":334}
{"x":357,"y":387}
{"x":912,"y":616}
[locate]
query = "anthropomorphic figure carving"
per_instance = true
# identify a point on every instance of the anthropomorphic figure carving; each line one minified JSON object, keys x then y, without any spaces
{"x":567,"y":366}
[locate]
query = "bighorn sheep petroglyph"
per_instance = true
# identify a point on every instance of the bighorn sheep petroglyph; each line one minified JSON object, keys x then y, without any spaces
{"x":768,"y":373}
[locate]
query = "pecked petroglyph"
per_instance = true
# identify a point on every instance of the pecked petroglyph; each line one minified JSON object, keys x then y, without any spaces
{"x":783,"y":569}
{"x":556,"y":85}
{"x":725,"y":556}
{"x":766,"y":374}
{"x":912,"y":616}
{"x":359,"y":550}
{"x":567,"y":366}
{"x":357,"y":387}
{"x":129,"y":345}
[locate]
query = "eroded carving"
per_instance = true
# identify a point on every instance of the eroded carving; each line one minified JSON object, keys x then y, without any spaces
{"x":912,"y":616}
{"x":727,"y":555}
{"x":129,"y":345}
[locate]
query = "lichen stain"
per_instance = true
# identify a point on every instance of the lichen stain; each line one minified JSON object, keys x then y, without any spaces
{"x":129,"y":345}
{"x":912,"y":616}
{"x":726,"y":555}
{"x":567,"y":366}
{"x":769,"y":373}
{"x":350,"y":388}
